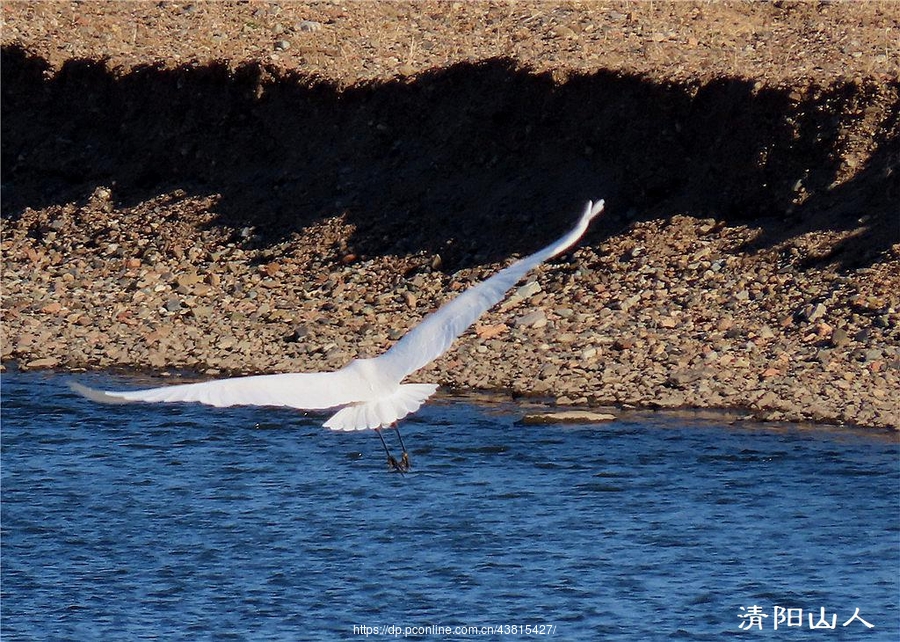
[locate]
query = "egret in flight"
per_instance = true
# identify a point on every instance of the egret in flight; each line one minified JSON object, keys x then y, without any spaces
{"x":368,"y":393}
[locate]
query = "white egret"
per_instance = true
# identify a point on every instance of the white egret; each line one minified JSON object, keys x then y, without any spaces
{"x":367,"y":392}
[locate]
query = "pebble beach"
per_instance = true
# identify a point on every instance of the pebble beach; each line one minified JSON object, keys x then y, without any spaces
{"x":776,"y":301}
{"x":667,"y":316}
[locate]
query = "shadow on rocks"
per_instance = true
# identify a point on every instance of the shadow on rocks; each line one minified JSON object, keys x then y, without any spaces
{"x":474,"y":161}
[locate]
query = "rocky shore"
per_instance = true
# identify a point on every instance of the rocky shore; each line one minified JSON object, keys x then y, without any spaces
{"x":241,"y":219}
{"x":671,"y":314}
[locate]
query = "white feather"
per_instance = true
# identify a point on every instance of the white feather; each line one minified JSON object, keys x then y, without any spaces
{"x":436,"y":333}
{"x":367,"y":391}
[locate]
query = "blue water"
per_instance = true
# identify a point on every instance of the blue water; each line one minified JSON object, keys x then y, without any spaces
{"x":187,"y":522}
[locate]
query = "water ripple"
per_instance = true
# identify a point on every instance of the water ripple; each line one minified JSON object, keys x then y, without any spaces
{"x":144,"y":522}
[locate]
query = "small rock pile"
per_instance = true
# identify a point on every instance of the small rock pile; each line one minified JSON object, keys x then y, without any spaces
{"x":669,"y":314}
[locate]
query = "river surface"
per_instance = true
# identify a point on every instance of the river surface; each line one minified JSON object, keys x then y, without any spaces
{"x":179,"y":522}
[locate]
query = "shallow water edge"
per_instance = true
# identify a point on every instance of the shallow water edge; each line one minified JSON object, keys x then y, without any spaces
{"x":733,"y":416}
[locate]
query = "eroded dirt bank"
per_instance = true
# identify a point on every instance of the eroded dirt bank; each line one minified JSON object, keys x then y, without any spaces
{"x":289,"y":207}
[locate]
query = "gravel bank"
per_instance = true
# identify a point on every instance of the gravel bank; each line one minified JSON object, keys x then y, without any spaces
{"x":670,"y":314}
{"x":233,"y":189}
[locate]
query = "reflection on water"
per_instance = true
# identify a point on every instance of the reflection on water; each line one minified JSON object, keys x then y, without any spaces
{"x":179,"y":522}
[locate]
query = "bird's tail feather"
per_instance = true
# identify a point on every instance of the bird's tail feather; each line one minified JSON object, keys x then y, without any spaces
{"x":382,"y":412}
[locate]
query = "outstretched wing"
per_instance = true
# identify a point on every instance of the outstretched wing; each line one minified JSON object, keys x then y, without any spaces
{"x":306,"y":391}
{"x":437,"y":332}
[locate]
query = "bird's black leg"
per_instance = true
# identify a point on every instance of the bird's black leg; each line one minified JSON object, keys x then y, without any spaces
{"x":404,"y":460}
{"x":392,"y":463}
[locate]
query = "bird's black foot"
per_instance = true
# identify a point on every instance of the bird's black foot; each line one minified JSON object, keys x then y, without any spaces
{"x":401,"y":466}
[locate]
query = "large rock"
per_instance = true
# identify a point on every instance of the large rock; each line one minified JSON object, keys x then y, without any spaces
{"x":567,"y":417}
